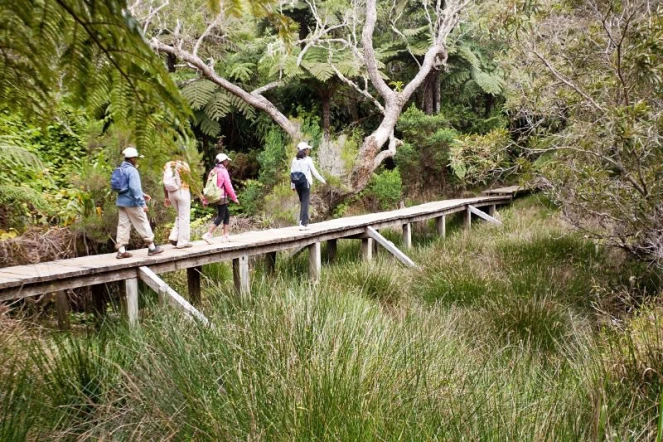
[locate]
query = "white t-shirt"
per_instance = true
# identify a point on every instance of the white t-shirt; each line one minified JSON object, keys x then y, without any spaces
{"x":306,"y":166}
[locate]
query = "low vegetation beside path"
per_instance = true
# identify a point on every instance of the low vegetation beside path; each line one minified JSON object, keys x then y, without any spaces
{"x":525,"y":332}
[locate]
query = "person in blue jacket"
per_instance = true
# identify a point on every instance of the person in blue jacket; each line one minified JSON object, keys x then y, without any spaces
{"x":132,"y":208}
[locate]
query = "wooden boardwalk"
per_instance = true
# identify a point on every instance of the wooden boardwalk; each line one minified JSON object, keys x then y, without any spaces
{"x":56,"y":276}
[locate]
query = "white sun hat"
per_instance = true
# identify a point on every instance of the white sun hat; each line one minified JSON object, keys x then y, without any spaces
{"x":131,"y":152}
{"x":220,"y":158}
{"x":304,"y":145}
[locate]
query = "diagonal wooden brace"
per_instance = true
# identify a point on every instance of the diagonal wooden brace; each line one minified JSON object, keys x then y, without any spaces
{"x":391,"y":248}
{"x":484,"y":215}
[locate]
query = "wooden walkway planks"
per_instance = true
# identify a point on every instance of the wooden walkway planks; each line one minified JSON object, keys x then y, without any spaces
{"x":30,"y":280}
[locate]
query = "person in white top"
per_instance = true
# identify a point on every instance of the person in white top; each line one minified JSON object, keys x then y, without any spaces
{"x":303,"y":165}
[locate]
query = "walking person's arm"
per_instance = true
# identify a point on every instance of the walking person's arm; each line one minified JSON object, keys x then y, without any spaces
{"x":315,"y":171}
{"x":136,"y":190}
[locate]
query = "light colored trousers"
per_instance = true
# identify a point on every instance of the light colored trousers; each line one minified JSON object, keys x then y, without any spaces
{"x":132,"y":216}
{"x":181,"y":202}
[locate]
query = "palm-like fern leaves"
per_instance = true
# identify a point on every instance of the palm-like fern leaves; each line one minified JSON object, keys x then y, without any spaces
{"x":93,"y":51}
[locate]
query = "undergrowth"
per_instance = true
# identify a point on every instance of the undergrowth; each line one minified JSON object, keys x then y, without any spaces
{"x":509,"y":333}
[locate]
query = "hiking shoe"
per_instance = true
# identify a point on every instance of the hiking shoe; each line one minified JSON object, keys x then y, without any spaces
{"x":207,"y":238}
{"x":184,"y":246}
{"x":172,"y":243}
{"x":122,"y":255}
{"x":154,"y":251}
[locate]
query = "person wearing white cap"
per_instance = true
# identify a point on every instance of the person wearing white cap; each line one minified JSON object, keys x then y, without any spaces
{"x":132,"y":207}
{"x":303,"y":165}
{"x":223,"y":182}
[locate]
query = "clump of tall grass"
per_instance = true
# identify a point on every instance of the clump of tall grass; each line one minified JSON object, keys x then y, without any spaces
{"x":494,"y":337}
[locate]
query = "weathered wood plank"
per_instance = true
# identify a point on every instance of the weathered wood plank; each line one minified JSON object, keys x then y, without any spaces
{"x":270,"y":263}
{"x":193,"y":284}
{"x":367,"y":249}
{"x":484,"y":215}
{"x":407,"y":236}
{"x":241,"y":275}
{"x":314,"y":261}
{"x":441,"y":226}
{"x":390,"y":247}
{"x":172,"y":297}
{"x":131,"y":300}
{"x":62,"y":309}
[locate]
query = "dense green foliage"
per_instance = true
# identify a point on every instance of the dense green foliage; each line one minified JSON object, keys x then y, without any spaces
{"x":502,"y":334}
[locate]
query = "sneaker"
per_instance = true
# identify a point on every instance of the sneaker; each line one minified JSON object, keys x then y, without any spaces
{"x":154,"y":251}
{"x":207,"y":238}
{"x":122,"y":255}
{"x":306,"y":227}
{"x":225,"y":238}
{"x":172,"y":243}
{"x":184,"y":246}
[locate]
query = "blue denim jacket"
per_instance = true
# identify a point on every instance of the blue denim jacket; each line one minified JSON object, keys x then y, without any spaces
{"x":134,"y":196}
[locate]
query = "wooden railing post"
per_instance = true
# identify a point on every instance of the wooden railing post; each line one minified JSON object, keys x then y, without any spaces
{"x":62,"y":308}
{"x":99,"y":301}
{"x":314,"y":261}
{"x":407,"y":236}
{"x":491,"y":210}
{"x":467,"y":218}
{"x":193,"y":282}
{"x":441,"y":226}
{"x":332,"y":250}
{"x":367,"y":249}
{"x":131,"y":300}
{"x":241,"y":275}
{"x":270,"y":263}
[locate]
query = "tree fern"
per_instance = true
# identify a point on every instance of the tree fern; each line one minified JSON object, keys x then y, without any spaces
{"x":95,"y":49}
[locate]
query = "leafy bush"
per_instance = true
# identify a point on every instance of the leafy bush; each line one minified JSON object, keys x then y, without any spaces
{"x":423,"y":159}
{"x":385,"y":188}
{"x":480,"y":159}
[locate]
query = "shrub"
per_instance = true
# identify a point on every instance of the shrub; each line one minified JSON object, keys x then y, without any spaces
{"x":385,"y":188}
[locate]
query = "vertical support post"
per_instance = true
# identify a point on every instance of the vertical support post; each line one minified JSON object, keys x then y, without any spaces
{"x":491,"y":210}
{"x":193,"y":282}
{"x":407,"y":236}
{"x":314,"y":261}
{"x":332,"y":250}
{"x":367,"y":249}
{"x":241,"y":275}
{"x":270,"y":263}
{"x":99,"y":301}
{"x":441,"y":226}
{"x":62,"y":308}
{"x":131,"y":300}
{"x":467,"y":218}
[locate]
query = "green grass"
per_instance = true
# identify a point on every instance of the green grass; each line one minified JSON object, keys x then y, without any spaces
{"x":500,"y":334}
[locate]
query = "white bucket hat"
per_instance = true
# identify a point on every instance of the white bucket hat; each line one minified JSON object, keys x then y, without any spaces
{"x":131,"y":152}
{"x":304,"y":145}
{"x":220,"y":158}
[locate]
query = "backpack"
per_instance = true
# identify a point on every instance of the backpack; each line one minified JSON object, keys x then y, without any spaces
{"x":171,"y":178}
{"x":298,"y":179}
{"x":212,"y":192}
{"x":119,"y":180}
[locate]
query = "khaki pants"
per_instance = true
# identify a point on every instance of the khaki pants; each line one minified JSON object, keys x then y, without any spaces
{"x":181,"y":202}
{"x":132,"y":216}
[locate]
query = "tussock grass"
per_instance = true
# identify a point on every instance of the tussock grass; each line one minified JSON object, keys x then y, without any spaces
{"x":499,"y":335}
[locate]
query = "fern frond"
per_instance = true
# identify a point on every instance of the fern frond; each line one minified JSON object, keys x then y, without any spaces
{"x":199,"y":93}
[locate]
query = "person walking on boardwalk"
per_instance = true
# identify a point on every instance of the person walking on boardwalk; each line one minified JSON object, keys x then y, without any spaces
{"x":131,"y":205}
{"x":219,"y":185}
{"x":176,"y":178}
{"x":302,"y":171}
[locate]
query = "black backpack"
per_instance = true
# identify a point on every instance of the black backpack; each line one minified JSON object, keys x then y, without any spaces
{"x":298,"y":179}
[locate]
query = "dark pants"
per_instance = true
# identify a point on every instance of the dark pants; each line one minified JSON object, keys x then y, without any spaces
{"x":222,"y":215}
{"x":304,"y":197}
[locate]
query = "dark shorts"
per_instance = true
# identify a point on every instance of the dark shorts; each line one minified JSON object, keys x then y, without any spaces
{"x":222,"y":214}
